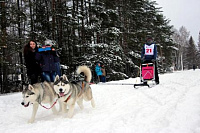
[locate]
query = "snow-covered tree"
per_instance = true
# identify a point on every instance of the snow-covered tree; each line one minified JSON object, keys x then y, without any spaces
{"x":82,"y":27}
{"x":181,"y":40}
{"x":191,"y":54}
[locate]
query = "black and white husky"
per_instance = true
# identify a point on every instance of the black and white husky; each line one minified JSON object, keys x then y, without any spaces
{"x":70,"y":93}
{"x":39,"y":93}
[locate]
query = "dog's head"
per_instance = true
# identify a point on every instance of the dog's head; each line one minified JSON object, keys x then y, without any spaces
{"x":61,"y":85}
{"x":29,"y":95}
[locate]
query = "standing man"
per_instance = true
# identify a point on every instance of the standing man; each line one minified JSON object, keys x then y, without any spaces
{"x":48,"y":59}
{"x":149,"y":54}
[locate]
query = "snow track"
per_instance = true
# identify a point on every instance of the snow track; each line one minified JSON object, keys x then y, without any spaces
{"x":173,"y":106}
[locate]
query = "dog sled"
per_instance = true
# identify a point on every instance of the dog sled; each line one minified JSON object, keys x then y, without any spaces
{"x":147,"y":73}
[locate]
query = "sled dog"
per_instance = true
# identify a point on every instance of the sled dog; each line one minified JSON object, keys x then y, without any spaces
{"x":72,"y":92}
{"x":39,"y":93}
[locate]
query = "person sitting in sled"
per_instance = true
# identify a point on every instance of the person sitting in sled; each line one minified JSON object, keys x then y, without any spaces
{"x":149,"y":54}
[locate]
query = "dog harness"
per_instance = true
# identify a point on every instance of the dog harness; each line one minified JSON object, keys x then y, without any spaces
{"x":51,"y":105}
{"x":39,"y":100}
{"x":67,"y":98}
{"x":82,"y":89}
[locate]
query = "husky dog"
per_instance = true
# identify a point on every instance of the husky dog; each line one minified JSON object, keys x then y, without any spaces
{"x":39,"y":93}
{"x":72,"y":92}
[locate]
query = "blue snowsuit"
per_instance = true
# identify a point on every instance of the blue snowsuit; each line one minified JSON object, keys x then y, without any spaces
{"x":98,"y":70}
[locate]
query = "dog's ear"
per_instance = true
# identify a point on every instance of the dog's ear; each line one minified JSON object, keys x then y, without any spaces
{"x":57,"y":78}
{"x":65,"y":78}
{"x":30,"y":87}
{"x":24,"y":87}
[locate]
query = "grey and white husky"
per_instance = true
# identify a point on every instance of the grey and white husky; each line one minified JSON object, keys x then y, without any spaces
{"x":72,"y":92}
{"x":39,"y":93}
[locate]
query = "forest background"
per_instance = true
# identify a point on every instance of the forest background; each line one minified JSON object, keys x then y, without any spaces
{"x":89,"y":31}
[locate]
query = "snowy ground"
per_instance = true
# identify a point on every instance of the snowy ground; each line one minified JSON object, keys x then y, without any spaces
{"x":173,"y":106}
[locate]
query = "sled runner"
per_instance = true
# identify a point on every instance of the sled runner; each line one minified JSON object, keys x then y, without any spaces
{"x":147,"y":71}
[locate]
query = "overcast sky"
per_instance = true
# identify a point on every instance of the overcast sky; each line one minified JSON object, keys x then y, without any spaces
{"x":183,"y":13}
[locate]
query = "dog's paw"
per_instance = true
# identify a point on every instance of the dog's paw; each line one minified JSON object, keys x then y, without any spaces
{"x":81,"y":107}
{"x":31,"y":121}
{"x":56,"y":113}
{"x":65,"y":110}
{"x":54,"y":110}
{"x":69,"y":116}
{"x":93,"y":103}
{"x":70,"y":113}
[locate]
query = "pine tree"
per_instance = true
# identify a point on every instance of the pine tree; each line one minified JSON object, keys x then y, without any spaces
{"x":199,"y":42}
{"x":191,"y":54}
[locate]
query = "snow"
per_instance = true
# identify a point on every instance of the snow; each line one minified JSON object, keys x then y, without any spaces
{"x":173,"y":106}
